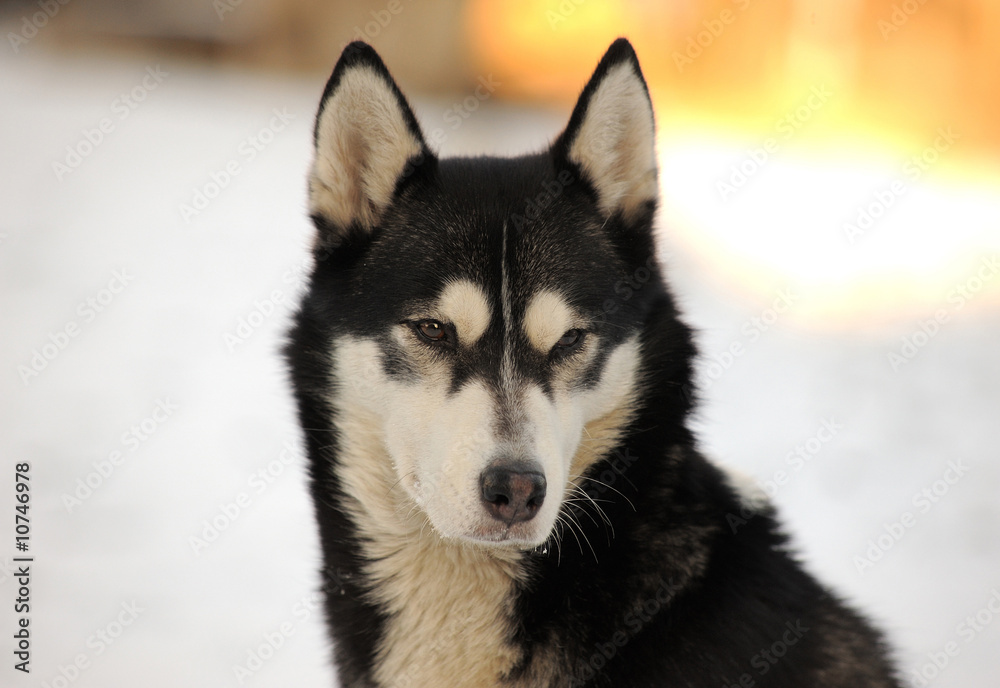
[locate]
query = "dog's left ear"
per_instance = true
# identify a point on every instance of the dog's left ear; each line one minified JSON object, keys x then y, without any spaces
{"x":611,"y":135}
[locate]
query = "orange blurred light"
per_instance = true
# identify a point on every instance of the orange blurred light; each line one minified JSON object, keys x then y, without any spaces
{"x":831,"y":112}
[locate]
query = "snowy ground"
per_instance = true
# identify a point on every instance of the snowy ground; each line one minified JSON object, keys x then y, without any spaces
{"x":140,"y":377}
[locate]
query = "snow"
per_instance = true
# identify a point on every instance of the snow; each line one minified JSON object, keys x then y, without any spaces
{"x":160,"y":403}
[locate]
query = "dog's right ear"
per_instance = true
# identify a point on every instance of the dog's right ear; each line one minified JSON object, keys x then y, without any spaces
{"x":611,"y":136}
{"x":366,"y":140}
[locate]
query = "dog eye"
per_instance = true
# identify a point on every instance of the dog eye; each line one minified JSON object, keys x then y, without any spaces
{"x":432,"y":330}
{"x":570,"y":339}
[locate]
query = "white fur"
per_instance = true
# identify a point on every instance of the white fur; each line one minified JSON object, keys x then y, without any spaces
{"x":362,"y":147}
{"x":615,"y":145}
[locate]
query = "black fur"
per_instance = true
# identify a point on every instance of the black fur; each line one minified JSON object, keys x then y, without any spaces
{"x":678,"y":590}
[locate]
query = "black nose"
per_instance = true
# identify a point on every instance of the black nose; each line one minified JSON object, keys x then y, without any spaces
{"x":512,"y":493}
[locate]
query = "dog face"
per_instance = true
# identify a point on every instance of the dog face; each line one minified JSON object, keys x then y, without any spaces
{"x":480,"y":334}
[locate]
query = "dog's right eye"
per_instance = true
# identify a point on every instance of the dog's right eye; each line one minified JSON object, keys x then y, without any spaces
{"x":432,"y":331}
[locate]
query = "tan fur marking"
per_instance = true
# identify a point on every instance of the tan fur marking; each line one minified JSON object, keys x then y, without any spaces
{"x":599,"y":437}
{"x":546,"y":319}
{"x":616,"y":144}
{"x":615,"y":397}
{"x":465,"y":305}
{"x":362,"y":146}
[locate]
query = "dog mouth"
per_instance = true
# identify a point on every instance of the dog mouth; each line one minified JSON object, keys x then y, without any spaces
{"x":515,"y":541}
{"x":503,"y":536}
{"x":503,"y":540}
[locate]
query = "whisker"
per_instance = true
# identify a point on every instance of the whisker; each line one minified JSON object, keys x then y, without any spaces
{"x":573,"y":521}
{"x":600,"y":511}
{"x":567,"y":520}
{"x":606,"y":485}
{"x":398,"y":481}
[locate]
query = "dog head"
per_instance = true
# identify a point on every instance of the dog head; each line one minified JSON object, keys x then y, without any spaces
{"x":484,"y":315}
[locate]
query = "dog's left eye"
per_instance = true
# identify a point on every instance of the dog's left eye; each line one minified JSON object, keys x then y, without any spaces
{"x":569,"y":340}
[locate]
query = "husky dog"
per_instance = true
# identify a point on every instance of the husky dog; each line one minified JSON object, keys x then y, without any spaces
{"x":493,"y":382}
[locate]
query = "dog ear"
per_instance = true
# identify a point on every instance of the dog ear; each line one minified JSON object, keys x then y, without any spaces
{"x":366,"y":140}
{"x":611,"y":135}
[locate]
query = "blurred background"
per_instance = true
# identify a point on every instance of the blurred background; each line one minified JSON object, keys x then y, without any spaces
{"x":830,"y":223}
